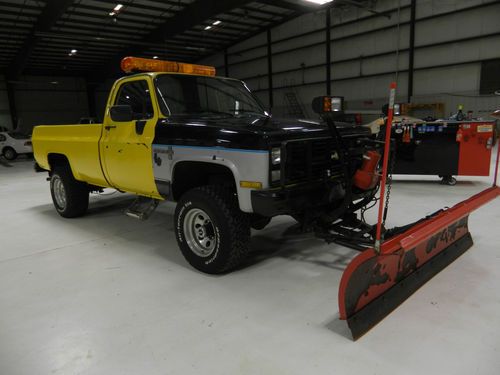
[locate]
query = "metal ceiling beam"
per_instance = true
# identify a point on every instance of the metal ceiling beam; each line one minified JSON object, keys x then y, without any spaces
{"x":138,"y":18}
{"x":196,"y":13}
{"x":47,"y":18}
{"x":193,"y":15}
{"x":297,"y":7}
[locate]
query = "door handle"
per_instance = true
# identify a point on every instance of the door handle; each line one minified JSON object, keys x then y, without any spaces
{"x":109,"y":127}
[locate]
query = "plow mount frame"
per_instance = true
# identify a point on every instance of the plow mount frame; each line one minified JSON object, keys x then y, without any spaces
{"x":383,"y":276}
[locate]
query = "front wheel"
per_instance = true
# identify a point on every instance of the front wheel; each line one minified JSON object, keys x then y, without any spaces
{"x":70,"y":197}
{"x":212,"y":233}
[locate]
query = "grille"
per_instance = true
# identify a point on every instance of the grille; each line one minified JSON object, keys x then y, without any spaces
{"x":309,"y":160}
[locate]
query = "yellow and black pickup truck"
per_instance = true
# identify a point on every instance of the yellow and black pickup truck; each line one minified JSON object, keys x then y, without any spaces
{"x":177,"y":132}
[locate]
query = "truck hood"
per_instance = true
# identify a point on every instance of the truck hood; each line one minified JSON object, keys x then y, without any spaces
{"x":265,"y":126}
{"x":253,"y":132}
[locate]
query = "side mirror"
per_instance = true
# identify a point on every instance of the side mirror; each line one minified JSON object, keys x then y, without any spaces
{"x":121,"y":113}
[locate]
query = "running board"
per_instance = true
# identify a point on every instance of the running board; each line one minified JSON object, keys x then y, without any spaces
{"x":142,"y":208}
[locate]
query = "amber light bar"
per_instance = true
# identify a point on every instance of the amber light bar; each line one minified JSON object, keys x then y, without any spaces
{"x":133,"y":64}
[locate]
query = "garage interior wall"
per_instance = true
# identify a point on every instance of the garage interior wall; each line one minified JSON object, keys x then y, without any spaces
{"x":5,"y":119}
{"x":45,"y":100}
{"x":368,"y":51}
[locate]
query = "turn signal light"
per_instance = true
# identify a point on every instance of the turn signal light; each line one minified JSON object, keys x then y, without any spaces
{"x":133,"y":64}
{"x":251,"y":184}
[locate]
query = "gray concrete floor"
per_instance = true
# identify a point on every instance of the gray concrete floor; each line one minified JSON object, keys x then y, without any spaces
{"x":106,"y":294}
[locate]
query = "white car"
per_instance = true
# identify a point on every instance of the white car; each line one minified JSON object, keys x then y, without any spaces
{"x":13,"y":144}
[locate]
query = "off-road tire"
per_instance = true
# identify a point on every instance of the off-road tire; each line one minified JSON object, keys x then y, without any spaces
{"x":231,"y":228}
{"x":9,"y":153}
{"x":76,"y":193}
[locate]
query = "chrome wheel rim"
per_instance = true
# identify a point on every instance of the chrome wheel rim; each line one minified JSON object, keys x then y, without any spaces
{"x":199,"y":232}
{"x":59,"y":192}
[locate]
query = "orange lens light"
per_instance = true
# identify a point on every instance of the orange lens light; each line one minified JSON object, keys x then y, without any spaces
{"x":327,"y":104}
{"x":133,"y":64}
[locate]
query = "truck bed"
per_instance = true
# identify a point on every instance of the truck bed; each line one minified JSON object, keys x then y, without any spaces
{"x":79,"y":143}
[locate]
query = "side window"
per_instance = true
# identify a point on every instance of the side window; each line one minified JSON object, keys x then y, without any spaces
{"x":3,"y":138}
{"x":136,"y":94}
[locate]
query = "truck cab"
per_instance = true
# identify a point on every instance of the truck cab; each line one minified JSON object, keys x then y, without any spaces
{"x":177,"y":132}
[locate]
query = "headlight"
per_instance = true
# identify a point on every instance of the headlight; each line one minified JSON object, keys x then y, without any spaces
{"x":276,"y":156}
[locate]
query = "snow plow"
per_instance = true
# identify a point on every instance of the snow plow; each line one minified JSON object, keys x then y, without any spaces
{"x":401,"y":260}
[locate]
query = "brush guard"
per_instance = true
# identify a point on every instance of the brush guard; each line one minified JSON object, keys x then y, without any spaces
{"x":391,"y":268}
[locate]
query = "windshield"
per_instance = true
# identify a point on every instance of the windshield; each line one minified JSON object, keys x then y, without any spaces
{"x":17,"y":135}
{"x":186,"y":95}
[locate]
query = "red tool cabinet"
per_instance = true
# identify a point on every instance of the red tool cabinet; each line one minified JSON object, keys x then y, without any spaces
{"x":444,"y":149}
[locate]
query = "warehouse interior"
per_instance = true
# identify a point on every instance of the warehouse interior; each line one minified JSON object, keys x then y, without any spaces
{"x":110,"y":294}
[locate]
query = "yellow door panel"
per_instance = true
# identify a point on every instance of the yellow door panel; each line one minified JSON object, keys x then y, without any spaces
{"x":126,"y":146}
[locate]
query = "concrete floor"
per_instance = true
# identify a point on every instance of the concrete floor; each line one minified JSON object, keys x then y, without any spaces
{"x":106,"y":294}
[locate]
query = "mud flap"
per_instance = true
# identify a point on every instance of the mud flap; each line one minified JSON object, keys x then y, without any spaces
{"x":374,"y":284}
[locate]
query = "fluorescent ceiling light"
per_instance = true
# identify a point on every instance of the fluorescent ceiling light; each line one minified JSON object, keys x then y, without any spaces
{"x":118,"y":7}
{"x":74,"y":51}
{"x":320,"y":2}
{"x":218,"y":22}
{"x":208,"y":27}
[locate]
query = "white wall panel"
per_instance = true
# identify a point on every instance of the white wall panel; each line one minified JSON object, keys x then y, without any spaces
{"x":377,"y":42}
{"x":464,"y":78}
{"x":459,"y":25}
{"x":292,"y":60}
{"x":427,"y":8}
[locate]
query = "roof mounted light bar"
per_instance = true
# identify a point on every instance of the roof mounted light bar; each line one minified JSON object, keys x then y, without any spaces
{"x":137,"y":64}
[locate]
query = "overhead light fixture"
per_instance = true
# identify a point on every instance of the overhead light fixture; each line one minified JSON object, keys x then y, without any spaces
{"x":218,"y":22}
{"x":116,"y":10}
{"x":191,"y":48}
{"x":208,"y":27}
{"x":319,"y":2}
{"x":155,"y":57}
{"x":74,"y":51}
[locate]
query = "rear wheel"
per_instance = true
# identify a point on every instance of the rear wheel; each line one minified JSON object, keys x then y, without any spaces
{"x":9,"y":153}
{"x":70,"y":197}
{"x":212,"y":233}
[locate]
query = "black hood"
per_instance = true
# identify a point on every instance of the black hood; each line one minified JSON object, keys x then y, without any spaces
{"x":255,"y":132}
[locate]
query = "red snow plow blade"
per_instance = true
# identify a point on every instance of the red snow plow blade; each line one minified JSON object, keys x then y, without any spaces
{"x":381,"y":278}
{"x":375,"y":284}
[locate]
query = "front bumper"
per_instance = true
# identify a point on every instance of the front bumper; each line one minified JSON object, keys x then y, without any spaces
{"x":296,"y":199}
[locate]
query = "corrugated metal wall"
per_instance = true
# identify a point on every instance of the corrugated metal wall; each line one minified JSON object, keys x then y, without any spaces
{"x":368,"y":51}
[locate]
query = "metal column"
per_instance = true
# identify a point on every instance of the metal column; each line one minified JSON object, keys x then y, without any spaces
{"x":411,"y":62}
{"x":328,"y":52}
{"x":270,"y":69}
{"x":12,"y":103}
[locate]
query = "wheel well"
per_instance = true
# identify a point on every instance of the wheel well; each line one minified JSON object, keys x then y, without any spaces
{"x":7,"y":147}
{"x":188,"y":175}
{"x":57,"y":160}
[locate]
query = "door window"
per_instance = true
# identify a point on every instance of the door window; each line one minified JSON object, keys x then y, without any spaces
{"x":136,"y":94}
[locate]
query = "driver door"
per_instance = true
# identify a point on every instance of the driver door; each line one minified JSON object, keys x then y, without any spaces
{"x":126,"y":145}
